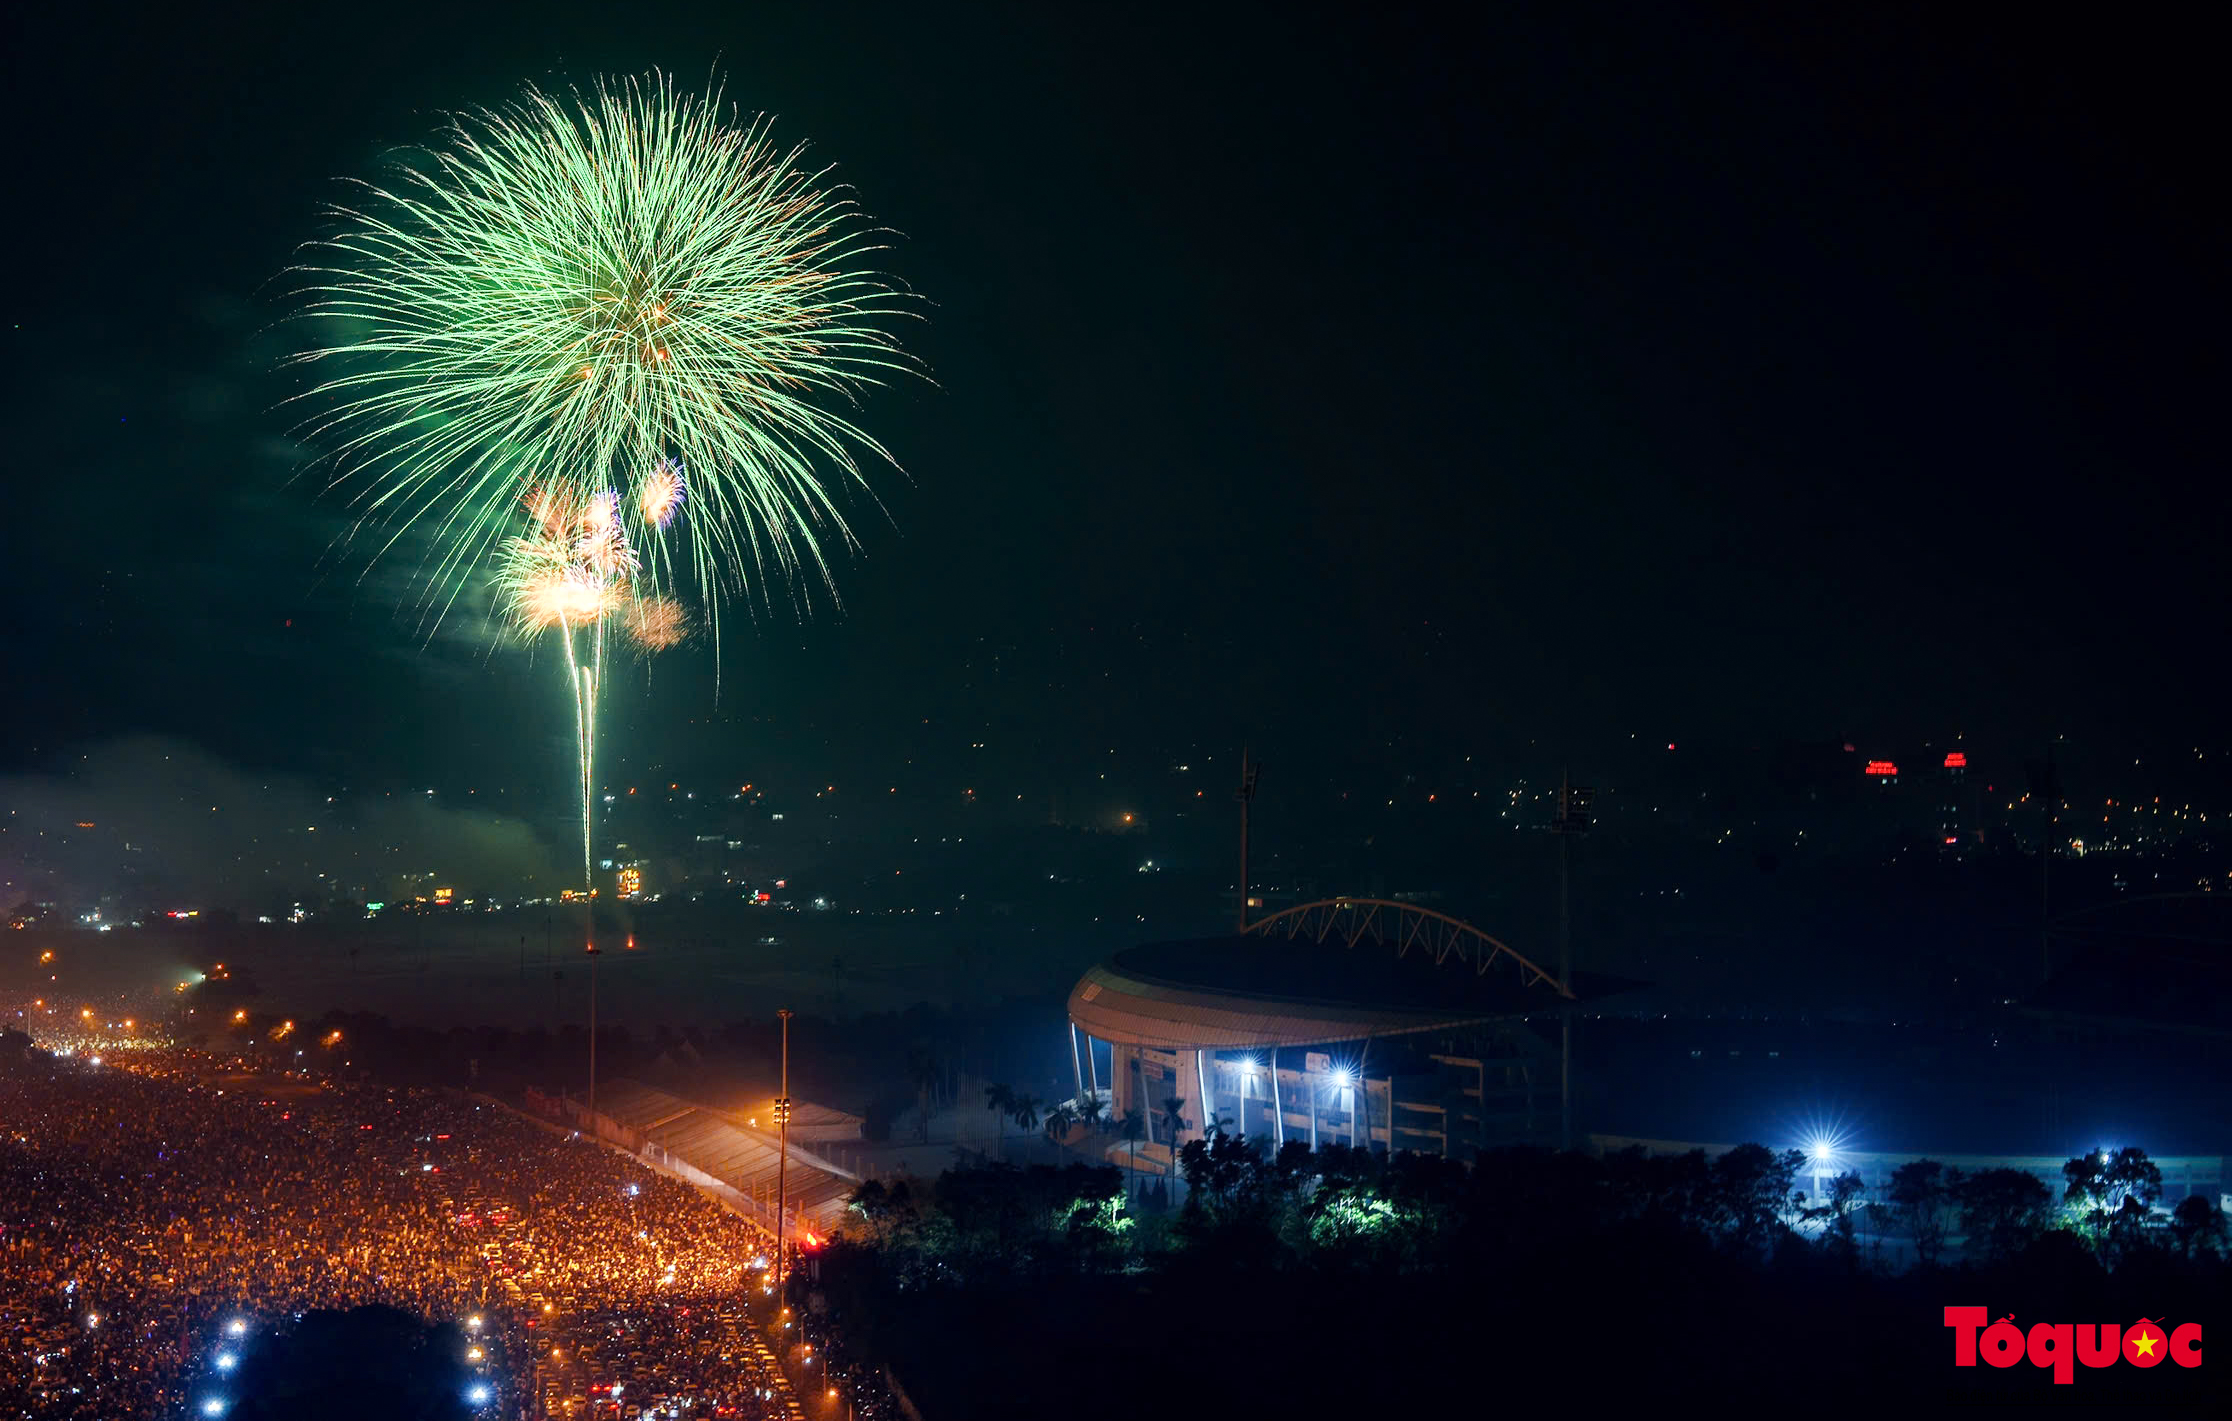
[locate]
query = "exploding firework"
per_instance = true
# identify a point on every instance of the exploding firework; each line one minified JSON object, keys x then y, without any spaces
{"x":576,"y":295}
{"x":573,"y":294}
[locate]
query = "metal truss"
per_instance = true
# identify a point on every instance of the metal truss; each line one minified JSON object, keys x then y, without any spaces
{"x":1405,"y":927}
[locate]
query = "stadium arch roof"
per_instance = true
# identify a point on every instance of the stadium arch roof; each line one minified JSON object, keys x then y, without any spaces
{"x":1340,"y":970}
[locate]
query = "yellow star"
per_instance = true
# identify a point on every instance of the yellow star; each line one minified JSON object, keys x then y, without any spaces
{"x":2145,"y":1342}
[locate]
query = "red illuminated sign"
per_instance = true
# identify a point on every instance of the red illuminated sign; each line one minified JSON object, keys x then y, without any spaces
{"x":1883,"y":768}
{"x":1956,"y":761}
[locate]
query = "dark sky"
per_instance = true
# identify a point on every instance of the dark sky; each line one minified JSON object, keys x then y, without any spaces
{"x":1569,"y":376}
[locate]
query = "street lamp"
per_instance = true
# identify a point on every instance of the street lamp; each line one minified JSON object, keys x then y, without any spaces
{"x":782,"y":1157}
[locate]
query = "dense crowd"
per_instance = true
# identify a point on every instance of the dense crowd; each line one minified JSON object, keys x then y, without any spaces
{"x":156,"y":1205}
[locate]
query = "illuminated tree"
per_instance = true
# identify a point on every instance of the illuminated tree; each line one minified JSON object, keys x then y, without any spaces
{"x":2105,"y":1182}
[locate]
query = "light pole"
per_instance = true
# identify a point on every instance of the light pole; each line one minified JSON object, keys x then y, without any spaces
{"x":1246,"y":795}
{"x":593,"y":956}
{"x":782,"y":1161}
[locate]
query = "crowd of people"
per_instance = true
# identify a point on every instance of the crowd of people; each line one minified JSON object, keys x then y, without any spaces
{"x":158,"y":1205}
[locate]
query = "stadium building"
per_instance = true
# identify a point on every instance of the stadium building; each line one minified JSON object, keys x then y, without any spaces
{"x":1349,"y":1021}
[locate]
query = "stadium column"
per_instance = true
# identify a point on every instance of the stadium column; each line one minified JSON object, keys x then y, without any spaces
{"x":1278,"y":1101}
{"x":1201,"y":1073}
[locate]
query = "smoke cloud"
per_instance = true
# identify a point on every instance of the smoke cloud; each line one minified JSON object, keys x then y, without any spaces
{"x":154,"y":821}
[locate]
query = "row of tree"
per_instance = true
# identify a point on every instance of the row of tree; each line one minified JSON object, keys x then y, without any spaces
{"x":2108,"y":1199}
{"x":1676,"y":1250}
{"x":1350,"y":1209}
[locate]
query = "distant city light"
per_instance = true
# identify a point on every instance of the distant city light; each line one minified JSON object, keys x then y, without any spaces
{"x":238,"y":1327}
{"x":214,"y":1406}
{"x":479,"y":1396}
{"x":226,"y":1361}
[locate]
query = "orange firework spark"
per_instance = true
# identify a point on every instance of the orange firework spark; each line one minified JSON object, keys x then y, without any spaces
{"x":656,"y":623}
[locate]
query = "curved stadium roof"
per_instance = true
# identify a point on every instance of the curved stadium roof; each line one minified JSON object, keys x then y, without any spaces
{"x":1233,"y":992}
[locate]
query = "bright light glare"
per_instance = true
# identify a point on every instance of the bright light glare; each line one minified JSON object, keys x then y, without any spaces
{"x":215,"y":1406}
{"x":238,"y":1327}
{"x":473,"y":1322}
{"x":226,"y":1361}
{"x":1821,"y":1150}
{"x":478,"y":1396}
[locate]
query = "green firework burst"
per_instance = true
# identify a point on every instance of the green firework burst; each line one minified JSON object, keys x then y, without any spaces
{"x":624,"y":289}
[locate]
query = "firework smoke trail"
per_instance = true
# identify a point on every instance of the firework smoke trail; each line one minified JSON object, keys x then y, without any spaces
{"x":570,"y":571}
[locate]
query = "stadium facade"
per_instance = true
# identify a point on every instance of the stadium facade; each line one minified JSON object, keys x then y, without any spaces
{"x":1350,"y":1021}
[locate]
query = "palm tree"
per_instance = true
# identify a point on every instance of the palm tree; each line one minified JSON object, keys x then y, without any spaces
{"x":1059,"y":1121}
{"x":1001,"y":1102}
{"x":1133,"y":1130}
{"x":1092,"y":1112}
{"x":1172,"y":1106}
{"x":1026,"y":1112}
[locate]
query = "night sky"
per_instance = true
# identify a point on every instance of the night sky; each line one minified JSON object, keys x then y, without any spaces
{"x":1566,"y":378}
